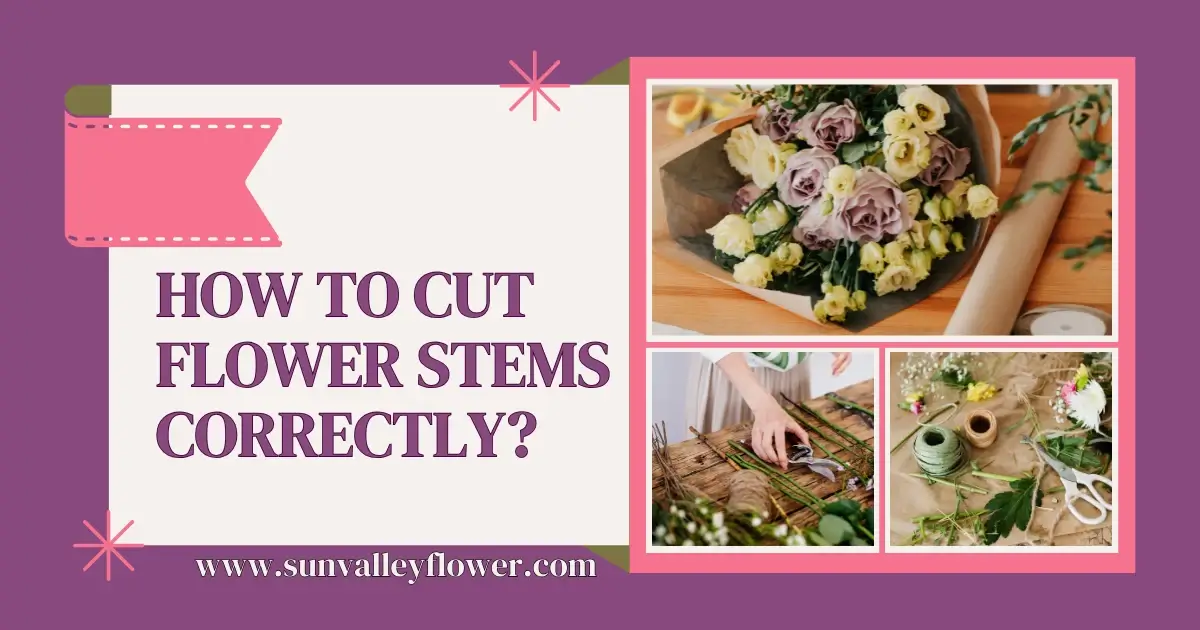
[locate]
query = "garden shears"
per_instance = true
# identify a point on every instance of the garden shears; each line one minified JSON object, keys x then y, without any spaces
{"x":1078,"y":486}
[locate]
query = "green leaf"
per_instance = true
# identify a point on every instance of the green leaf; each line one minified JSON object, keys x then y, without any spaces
{"x":856,"y":151}
{"x":1074,"y":252}
{"x":835,"y":529}
{"x":845,"y":508}
{"x":869,"y":519}
{"x":858,"y":542}
{"x":1010,"y":509}
{"x":1075,"y":452}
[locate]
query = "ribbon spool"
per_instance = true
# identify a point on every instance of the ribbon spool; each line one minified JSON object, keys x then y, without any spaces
{"x":939,"y":451}
{"x":1064,"y":320}
{"x":980,"y":428}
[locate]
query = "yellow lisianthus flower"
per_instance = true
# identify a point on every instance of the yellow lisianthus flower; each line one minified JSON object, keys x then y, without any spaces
{"x":980,"y":391}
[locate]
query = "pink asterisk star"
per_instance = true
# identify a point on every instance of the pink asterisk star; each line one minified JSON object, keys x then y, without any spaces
{"x":534,"y":86}
{"x":108,"y":546}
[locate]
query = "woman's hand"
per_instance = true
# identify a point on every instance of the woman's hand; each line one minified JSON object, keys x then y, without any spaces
{"x":768,"y":436}
{"x":841,"y":361}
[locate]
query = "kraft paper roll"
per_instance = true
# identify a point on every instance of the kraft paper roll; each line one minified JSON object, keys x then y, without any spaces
{"x":992,"y":300}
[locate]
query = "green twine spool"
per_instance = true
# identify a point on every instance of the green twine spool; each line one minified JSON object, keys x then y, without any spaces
{"x":939,"y":451}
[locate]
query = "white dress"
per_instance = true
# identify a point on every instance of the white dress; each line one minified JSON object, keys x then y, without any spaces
{"x":714,"y":404}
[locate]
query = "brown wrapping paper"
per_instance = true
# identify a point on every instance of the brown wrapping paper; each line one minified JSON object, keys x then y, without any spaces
{"x":910,"y":497}
{"x":993,"y":298}
{"x":693,"y":186}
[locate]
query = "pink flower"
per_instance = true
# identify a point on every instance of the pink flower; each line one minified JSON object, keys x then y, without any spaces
{"x":917,"y":408}
{"x":1068,"y":390}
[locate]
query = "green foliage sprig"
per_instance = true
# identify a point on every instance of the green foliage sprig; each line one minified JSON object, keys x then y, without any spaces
{"x":1085,"y":117}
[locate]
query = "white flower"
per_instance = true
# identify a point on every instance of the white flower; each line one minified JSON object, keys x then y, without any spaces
{"x":723,"y":536}
{"x":926,"y":108}
{"x":781,"y":531}
{"x":755,"y":271}
{"x":691,"y":528}
{"x":1087,"y":405}
{"x":755,"y":522}
{"x":796,"y":540}
{"x":718,"y":519}
{"x":769,"y":218}
{"x":688,"y":543}
{"x":660,"y":531}
{"x":768,"y":161}
{"x":733,"y":236}
{"x":670,"y":539}
{"x":740,"y":147}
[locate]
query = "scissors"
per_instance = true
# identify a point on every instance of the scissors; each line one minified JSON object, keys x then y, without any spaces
{"x":1078,"y":486}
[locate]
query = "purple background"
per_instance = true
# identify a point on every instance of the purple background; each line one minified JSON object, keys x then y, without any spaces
{"x":53,"y":359}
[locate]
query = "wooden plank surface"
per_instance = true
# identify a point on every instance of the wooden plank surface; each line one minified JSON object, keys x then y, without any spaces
{"x":690,"y":300}
{"x":699,"y":467}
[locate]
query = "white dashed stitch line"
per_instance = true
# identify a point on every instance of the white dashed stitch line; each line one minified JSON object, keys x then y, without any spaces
{"x":177,"y":239}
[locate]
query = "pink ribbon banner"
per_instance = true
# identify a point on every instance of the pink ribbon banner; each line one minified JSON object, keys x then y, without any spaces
{"x":165,"y":182}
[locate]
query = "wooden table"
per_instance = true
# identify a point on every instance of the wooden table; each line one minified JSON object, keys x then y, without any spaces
{"x":695,"y":302}
{"x":704,"y":470}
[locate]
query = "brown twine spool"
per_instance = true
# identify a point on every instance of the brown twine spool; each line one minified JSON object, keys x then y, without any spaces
{"x":749,"y":493}
{"x":980,"y":428}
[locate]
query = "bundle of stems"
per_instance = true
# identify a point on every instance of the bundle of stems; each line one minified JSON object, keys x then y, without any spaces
{"x":673,"y":487}
{"x":847,"y":442}
{"x":787,"y":486}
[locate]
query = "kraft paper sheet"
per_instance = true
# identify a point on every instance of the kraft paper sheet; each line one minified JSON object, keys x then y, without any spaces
{"x":911,"y":497}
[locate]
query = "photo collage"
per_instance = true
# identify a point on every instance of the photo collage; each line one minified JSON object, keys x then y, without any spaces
{"x":882,"y":318}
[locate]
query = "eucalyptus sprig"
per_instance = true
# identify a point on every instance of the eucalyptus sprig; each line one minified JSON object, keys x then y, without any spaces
{"x":1085,"y":117}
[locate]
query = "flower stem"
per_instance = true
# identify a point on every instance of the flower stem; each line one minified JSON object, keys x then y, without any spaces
{"x":952,"y":484}
{"x":863,"y":446}
{"x":988,"y":475}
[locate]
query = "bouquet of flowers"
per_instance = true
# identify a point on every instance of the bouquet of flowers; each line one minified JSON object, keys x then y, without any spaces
{"x":856,"y":191}
{"x":1083,"y":400}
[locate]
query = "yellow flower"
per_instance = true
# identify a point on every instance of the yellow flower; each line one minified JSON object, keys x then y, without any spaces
{"x":981,"y":201}
{"x":933,"y":209}
{"x":770,"y":217}
{"x":893,"y":252}
{"x":897,"y":121}
{"x":958,"y":197}
{"x":979,"y":392}
{"x":905,"y":155}
{"x":913,"y":200}
{"x":768,"y":161}
{"x":786,"y":257}
{"x":937,"y":241}
{"x":895,"y":277}
{"x":754,"y":271}
{"x":957,"y":242}
{"x":920,"y":260}
{"x":914,"y":397}
{"x":826,"y":204}
{"x":834,"y":306}
{"x":840,"y":181}
{"x":870,"y":258}
{"x":926,"y":108}
{"x":739,"y":148}
{"x":919,"y":234}
{"x":733,"y":236}
{"x":858,"y":300}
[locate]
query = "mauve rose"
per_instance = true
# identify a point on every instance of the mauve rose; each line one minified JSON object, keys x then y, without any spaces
{"x":877,"y":207}
{"x":744,"y":197}
{"x":946,"y":162}
{"x":777,"y":123}
{"x":803,"y":178}
{"x":815,"y":231}
{"x":829,"y":126}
